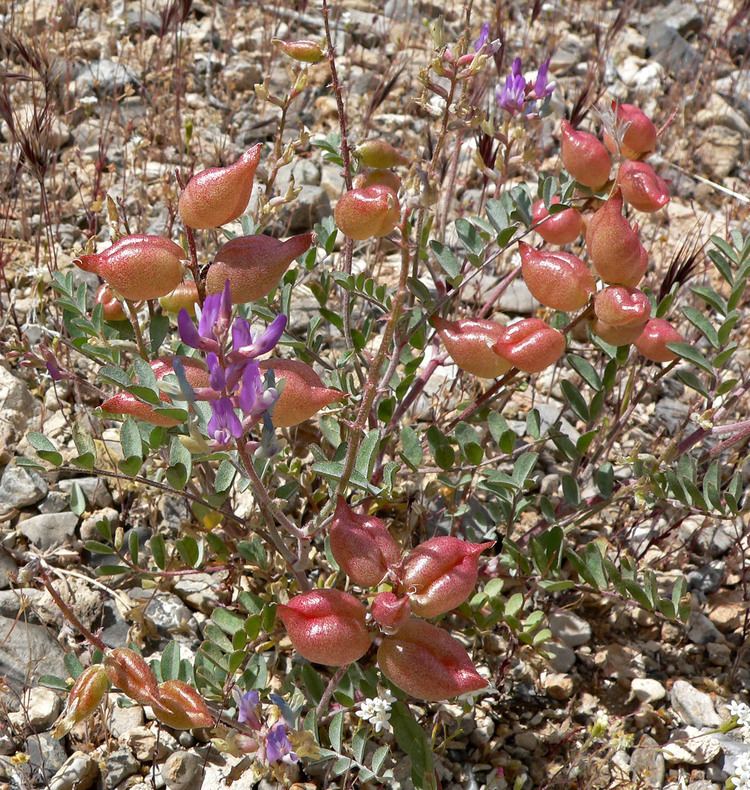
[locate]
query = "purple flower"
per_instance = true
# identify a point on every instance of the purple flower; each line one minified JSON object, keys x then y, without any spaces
{"x":216,"y":377}
{"x":484,"y":37}
{"x":513,"y":94}
{"x":216,"y":313}
{"x":542,"y":86}
{"x":248,"y":709}
{"x":278,"y":746}
{"x":265,"y":342}
{"x":224,"y":423}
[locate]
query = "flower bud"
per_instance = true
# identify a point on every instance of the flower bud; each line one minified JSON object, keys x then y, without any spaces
{"x":641,"y":187}
{"x":303,"y":50}
{"x":440,"y":574}
{"x":390,"y":612}
{"x":84,"y":698}
{"x":652,"y":342}
{"x":137,"y":267}
{"x":530,"y":345}
{"x":254,"y":265}
{"x":111,"y":305}
{"x":367,"y":213}
{"x":640,"y":135}
{"x":584,"y":157}
{"x":557,"y":279}
{"x":385,"y":178}
{"x":185,"y":295}
{"x":326,"y":626}
{"x":379,"y":154}
{"x":130,"y":673}
{"x":614,"y":247}
{"x":563,"y":227}
{"x":218,"y":195}
{"x":181,"y":707}
{"x":469,"y":342}
{"x":427,"y":662}
{"x":361,"y":545}
{"x":303,"y":394}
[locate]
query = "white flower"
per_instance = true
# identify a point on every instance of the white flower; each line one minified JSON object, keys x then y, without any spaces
{"x":741,"y":775}
{"x":377,"y":710}
{"x":740,"y":711}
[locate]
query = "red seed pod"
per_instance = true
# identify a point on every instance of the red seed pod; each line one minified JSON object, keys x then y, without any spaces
{"x":181,"y":707}
{"x":326,"y":626}
{"x":530,"y":345}
{"x":362,"y":545}
{"x":379,"y":154}
{"x":185,"y":295}
{"x":584,"y":157}
{"x":390,"y":612}
{"x":621,"y":306}
{"x":385,"y":178}
{"x":557,"y":279}
{"x":614,"y":247}
{"x":254,"y":265}
{"x":616,"y":335}
{"x":469,"y":342}
{"x":563,"y":227}
{"x":652,"y":342}
{"x":367,"y":213}
{"x":130,"y":673}
{"x":427,"y":663}
{"x":440,"y":574}
{"x":84,"y":698}
{"x":303,"y":395}
{"x":303,"y":50}
{"x":111,"y":305}
{"x":640,"y":135}
{"x":641,"y":187}
{"x":218,"y":195}
{"x":137,"y":267}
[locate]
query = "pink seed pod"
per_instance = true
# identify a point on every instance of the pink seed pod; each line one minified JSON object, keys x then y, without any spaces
{"x":130,"y":673}
{"x":362,"y":545}
{"x":303,"y":395}
{"x":379,"y":154}
{"x":584,"y":157}
{"x":137,"y":267}
{"x":303,"y":50}
{"x":84,"y":698}
{"x":469,"y":342}
{"x":326,"y":627}
{"x":440,"y":574}
{"x":614,"y":247}
{"x":616,"y":335}
{"x":619,"y":306}
{"x":640,"y":135}
{"x":557,"y":279}
{"x":218,"y":195}
{"x":641,"y":187}
{"x":652,"y":342}
{"x":254,"y":265}
{"x":185,"y":295}
{"x":563,"y":227}
{"x":530,"y":345}
{"x":385,"y":178}
{"x":367,"y":213}
{"x":111,"y":305}
{"x":181,"y":707}
{"x":428,"y":663}
{"x":390,"y":612}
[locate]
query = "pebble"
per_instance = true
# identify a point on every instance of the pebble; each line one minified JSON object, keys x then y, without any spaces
{"x":691,"y":746}
{"x":570,"y":628}
{"x":103,"y":78}
{"x":181,"y":770}
{"x":561,"y":657}
{"x":701,"y":630}
{"x":141,"y":741}
{"x":648,"y":690}
{"x":719,"y":654}
{"x":558,"y":686}
{"x":88,"y":529}
{"x":23,"y":645}
{"x":20,"y":487}
{"x":79,"y":772}
{"x":39,"y":709}
{"x":46,"y":754}
{"x":94,"y":488}
{"x":49,"y":530}
{"x":694,"y":707}
{"x":118,"y":766}
{"x":647,"y":762}
{"x":166,"y":613}
{"x":122,"y":720}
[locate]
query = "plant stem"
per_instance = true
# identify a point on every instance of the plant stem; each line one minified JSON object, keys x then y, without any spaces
{"x":68,"y":613}
{"x":330,"y":688}
{"x":142,"y":347}
{"x":190,"y":236}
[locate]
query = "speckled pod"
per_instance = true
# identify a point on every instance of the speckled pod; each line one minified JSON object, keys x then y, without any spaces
{"x":530,"y":345}
{"x":616,"y":335}
{"x":137,"y":267}
{"x":384,"y":178}
{"x":254,"y":265}
{"x":620,"y":306}
{"x":130,"y":673}
{"x":563,"y":227}
{"x":304,"y":394}
{"x":367,"y":213}
{"x":652,"y":342}
{"x":181,"y":707}
{"x":640,"y":135}
{"x":361,"y":545}
{"x":584,"y":157}
{"x":390,"y":612}
{"x":469,"y":342}
{"x":185,"y":295}
{"x":379,"y":154}
{"x":440,"y":574}
{"x":218,"y":195}
{"x":614,"y":247}
{"x":111,"y":305}
{"x":303,"y":50}
{"x":559,"y":280}
{"x":427,"y":663}
{"x":641,"y":187}
{"x":326,"y":627}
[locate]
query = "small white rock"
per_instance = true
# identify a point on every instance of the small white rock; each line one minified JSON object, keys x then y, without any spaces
{"x":648,"y":690}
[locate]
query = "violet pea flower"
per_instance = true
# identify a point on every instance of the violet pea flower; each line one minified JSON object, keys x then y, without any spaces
{"x":224,"y":424}
{"x":278,"y":746}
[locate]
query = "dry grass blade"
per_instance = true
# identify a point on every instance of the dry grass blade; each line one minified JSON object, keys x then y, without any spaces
{"x":684,"y":263}
{"x":174,"y":15}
